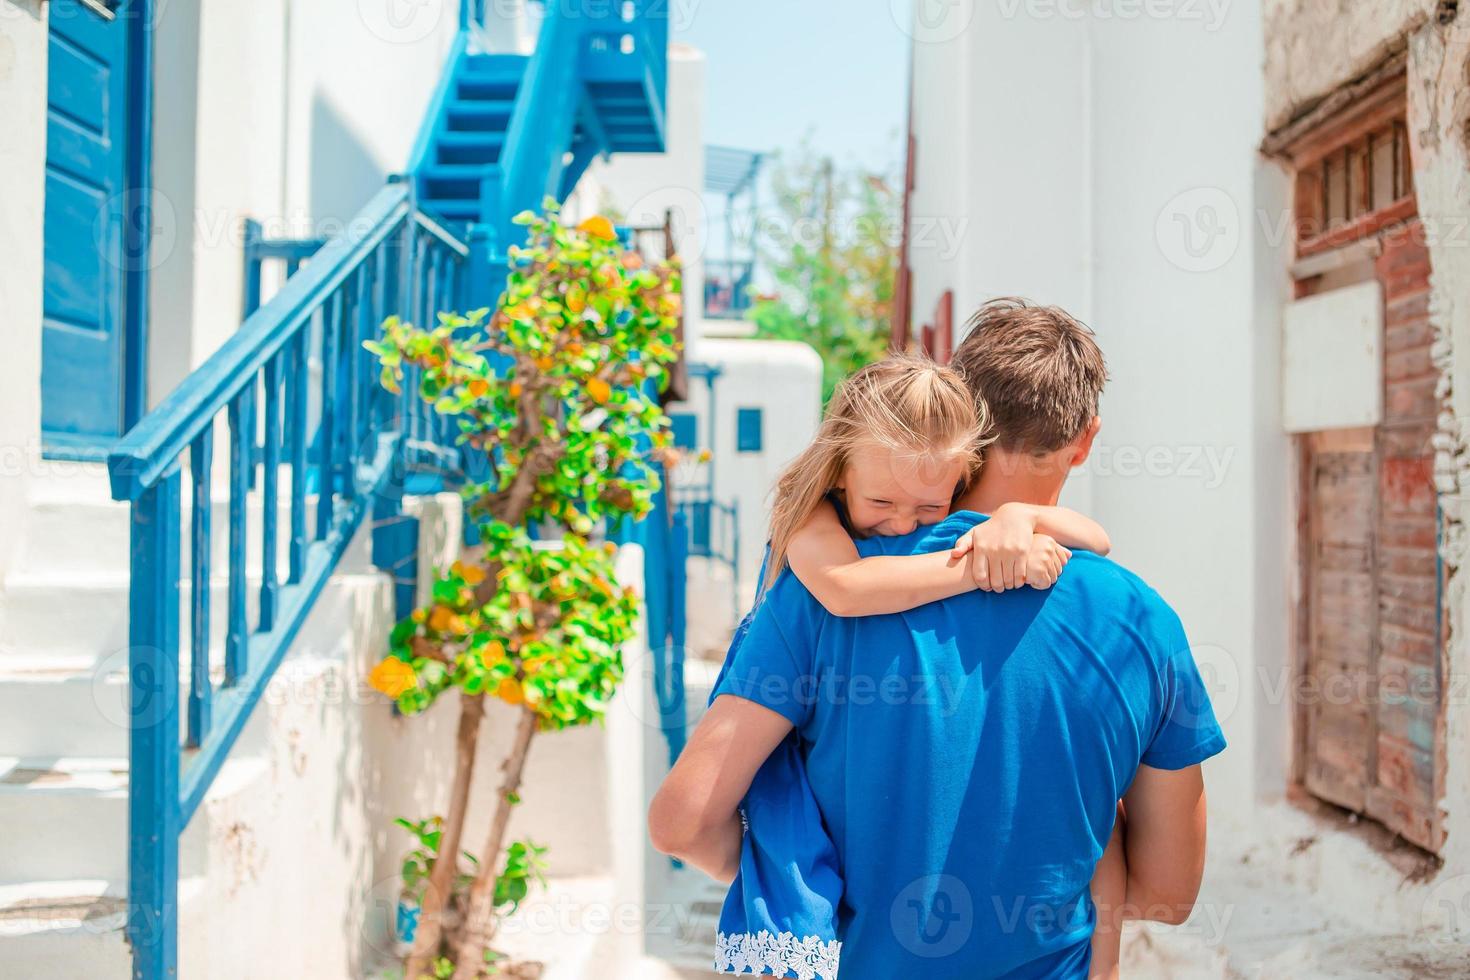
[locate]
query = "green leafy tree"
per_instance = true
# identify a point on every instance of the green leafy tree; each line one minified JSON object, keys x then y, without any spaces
{"x":574,"y":439}
{"x":830,"y":242}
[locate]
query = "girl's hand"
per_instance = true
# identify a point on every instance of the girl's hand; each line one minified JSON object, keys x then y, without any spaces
{"x":1001,"y":548}
{"x":1045,"y":561}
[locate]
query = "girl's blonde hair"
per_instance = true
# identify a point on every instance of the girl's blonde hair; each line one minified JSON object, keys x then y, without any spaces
{"x":905,"y":403}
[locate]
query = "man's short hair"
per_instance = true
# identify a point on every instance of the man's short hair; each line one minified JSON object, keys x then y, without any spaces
{"x":1038,"y":370}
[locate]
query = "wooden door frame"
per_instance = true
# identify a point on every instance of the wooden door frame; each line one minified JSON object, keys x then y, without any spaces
{"x":138,"y":202}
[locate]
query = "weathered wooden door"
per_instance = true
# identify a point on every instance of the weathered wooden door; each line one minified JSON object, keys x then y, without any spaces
{"x":1340,"y":479}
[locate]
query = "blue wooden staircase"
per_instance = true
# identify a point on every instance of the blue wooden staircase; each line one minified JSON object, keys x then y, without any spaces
{"x":469,"y":136}
{"x":506,"y":130}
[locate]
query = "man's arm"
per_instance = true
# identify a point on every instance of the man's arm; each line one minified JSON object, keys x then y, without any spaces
{"x":693,"y":816}
{"x":1164,"y":840}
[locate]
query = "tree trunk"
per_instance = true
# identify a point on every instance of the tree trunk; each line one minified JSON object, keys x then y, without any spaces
{"x":441,"y":880}
{"x":478,"y":927}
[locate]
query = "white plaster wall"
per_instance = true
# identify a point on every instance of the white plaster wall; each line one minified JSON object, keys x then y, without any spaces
{"x":288,"y":112}
{"x":1273,"y":488}
{"x":1078,"y":134}
{"x":23,"y":164}
{"x":1001,"y":203}
{"x":1179,"y":329}
{"x":643,"y":186}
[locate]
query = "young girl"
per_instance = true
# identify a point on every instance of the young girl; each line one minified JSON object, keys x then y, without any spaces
{"x":899,"y":442}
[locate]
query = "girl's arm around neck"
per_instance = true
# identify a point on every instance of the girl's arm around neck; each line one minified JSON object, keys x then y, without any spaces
{"x":1071,"y":529}
{"x":824,"y":558}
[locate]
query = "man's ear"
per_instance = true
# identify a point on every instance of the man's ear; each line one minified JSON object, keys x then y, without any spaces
{"x":1082,"y":448}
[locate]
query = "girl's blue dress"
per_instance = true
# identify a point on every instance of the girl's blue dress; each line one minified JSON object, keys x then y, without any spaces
{"x":780,"y":916}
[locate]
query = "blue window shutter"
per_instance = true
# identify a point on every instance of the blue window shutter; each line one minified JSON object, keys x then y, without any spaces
{"x":686,"y":429}
{"x":748,"y":430}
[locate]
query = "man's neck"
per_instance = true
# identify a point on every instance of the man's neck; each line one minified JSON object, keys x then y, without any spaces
{"x":1015,"y":478}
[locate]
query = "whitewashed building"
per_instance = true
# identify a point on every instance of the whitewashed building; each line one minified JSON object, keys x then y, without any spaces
{"x":140,"y":137}
{"x":1274,"y":262}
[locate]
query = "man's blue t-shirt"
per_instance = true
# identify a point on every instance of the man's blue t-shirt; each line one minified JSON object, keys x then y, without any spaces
{"x":967,"y":755}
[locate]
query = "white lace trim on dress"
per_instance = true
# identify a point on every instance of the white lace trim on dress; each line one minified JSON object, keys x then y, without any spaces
{"x":777,"y":954}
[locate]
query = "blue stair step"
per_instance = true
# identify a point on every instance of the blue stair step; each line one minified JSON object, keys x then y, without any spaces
{"x":452,"y":181}
{"x":620,"y":103}
{"x":479,"y":115}
{"x":476,"y":87}
{"x":496,"y":65}
{"x":481,"y":147}
{"x":602,"y":92}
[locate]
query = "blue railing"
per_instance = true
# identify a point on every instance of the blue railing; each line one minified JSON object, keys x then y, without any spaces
{"x":714,"y":533}
{"x":393,"y":260}
{"x":664,"y":537}
{"x":714,"y":525}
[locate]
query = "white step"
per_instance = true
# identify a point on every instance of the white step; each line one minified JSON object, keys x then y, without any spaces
{"x":68,"y":817}
{"x":67,"y":712}
{"x":84,"y":619}
{"x":73,"y":537}
{"x":73,"y":928}
{"x":78,"y":706}
{"x":76,"y":528}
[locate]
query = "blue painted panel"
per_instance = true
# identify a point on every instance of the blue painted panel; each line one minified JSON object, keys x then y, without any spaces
{"x":748,"y":424}
{"x":686,"y":429}
{"x":82,"y":308}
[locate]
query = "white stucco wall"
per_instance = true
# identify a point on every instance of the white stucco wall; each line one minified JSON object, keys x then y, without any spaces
{"x":1169,"y":145}
{"x":1002,"y":195}
{"x":1074,"y":152}
{"x":23,"y":164}
{"x":265,"y":119}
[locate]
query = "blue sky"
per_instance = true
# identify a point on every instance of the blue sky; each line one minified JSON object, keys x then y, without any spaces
{"x":781,"y":68}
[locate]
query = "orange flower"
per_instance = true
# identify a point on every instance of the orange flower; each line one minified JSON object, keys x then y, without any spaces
{"x":515,"y":389}
{"x":478,"y":387}
{"x":441,"y":618}
{"x":599,"y":390}
{"x":509,"y":691}
{"x":598,"y":227}
{"x":393,"y":677}
{"x":472,"y":573}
